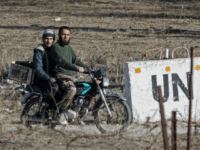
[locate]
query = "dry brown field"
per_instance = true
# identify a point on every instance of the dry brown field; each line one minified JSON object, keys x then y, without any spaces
{"x":104,"y":34}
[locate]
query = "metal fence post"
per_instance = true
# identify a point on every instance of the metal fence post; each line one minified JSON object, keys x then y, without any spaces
{"x":173,"y":136}
{"x":163,"y":121}
{"x":190,"y":102}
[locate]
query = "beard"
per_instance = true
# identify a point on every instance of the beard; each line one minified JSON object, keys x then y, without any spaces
{"x":63,"y":42}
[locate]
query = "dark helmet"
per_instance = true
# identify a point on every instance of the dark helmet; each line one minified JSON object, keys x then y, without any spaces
{"x":48,"y":33}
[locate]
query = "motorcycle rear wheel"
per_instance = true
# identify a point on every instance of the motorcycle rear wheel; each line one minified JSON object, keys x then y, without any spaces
{"x":121,"y":116}
{"x":30,"y":110}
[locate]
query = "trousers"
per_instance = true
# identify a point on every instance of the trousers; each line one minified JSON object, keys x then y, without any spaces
{"x":66,"y":84}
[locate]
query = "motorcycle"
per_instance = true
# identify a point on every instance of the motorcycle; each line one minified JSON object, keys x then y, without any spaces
{"x":111,"y":111}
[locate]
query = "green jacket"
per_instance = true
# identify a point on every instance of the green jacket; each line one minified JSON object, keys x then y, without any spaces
{"x":62,"y":60}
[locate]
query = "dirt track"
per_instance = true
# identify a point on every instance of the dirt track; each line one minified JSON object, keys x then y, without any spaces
{"x":105,"y":34}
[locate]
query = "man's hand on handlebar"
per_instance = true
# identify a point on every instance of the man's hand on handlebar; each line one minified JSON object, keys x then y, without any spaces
{"x":84,"y":70}
{"x":53,"y":80}
{"x":81,"y":69}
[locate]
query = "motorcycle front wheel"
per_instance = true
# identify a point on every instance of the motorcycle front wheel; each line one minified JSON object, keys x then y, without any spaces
{"x":121,"y":116}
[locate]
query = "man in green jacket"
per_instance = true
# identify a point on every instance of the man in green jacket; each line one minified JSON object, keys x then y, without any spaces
{"x":63,"y":63}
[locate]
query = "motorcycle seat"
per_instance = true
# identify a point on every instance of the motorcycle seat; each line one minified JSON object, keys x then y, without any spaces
{"x":35,"y":88}
{"x":39,"y":90}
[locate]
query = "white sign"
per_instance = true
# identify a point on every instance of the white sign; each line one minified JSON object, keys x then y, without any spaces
{"x":142,"y":79}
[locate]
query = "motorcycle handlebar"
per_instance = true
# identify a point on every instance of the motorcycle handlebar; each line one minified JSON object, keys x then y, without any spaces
{"x":96,"y":73}
{"x":88,"y":71}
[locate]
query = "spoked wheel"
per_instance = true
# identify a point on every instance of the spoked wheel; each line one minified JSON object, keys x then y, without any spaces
{"x":121,"y":116}
{"x":29,"y":112}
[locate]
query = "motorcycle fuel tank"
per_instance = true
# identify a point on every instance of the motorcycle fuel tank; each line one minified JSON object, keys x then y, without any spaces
{"x":83,"y":88}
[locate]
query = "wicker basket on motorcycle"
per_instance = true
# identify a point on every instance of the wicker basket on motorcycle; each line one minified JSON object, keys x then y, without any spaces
{"x":21,"y":73}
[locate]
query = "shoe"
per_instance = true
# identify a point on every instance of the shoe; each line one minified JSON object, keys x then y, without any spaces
{"x":82,"y":123}
{"x":62,"y":119}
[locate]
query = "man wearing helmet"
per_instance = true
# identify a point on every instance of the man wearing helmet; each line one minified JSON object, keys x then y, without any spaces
{"x":40,"y":57}
{"x":41,"y":63}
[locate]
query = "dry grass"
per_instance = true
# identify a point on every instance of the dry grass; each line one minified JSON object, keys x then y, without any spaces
{"x":138,"y":27}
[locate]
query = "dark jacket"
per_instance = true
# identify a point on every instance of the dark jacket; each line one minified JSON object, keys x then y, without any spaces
{"x":41,"y":64}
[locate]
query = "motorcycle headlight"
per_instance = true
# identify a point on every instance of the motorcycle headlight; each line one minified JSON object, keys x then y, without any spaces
{"x":105,"y":82}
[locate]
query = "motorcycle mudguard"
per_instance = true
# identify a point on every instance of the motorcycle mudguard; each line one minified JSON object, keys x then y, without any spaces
{"x":99,"y":102}
{"x":116,"y":95}
{"x":25,"y":99}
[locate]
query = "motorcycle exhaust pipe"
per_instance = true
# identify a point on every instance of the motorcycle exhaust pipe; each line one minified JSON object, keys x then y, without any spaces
{"x":35,"y":119}
{"x":31,"y":118}
{"x":38,"y":119}
{"x":53,"y":121}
